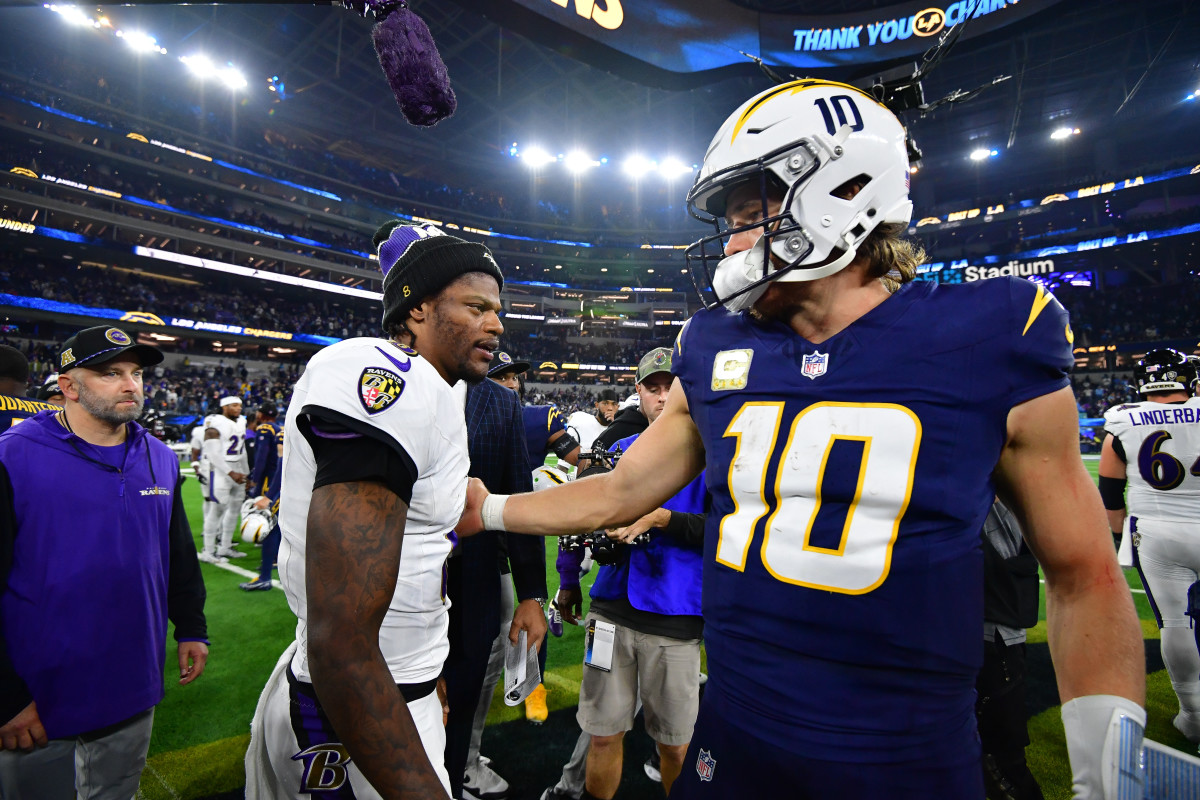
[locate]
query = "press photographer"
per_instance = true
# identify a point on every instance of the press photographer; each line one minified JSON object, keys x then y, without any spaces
{"x":644,"y":620}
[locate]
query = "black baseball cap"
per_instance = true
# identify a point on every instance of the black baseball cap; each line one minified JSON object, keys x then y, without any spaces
{"x":49,"y":388}
{"x":94,"y":346}
{"x":503,"y":362}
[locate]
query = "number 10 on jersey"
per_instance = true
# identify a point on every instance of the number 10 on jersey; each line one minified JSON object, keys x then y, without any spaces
{"x":889,"y":436}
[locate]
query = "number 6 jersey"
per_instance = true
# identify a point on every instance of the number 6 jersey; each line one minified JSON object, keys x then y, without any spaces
{"x":1161,"y":444}
{"x":849,"y":481}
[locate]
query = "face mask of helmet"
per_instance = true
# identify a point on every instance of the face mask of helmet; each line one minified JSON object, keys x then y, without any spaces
{"x":801,"y":143}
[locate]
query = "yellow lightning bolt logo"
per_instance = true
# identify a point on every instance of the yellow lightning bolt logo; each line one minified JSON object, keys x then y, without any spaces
{"x":1040,"y":301}
{"x":793,"y":87}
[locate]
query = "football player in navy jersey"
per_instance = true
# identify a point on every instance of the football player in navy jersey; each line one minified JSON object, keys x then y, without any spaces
{"x":855,"y":426}
{"x":268,"y":438}
{"x":14,"y":383}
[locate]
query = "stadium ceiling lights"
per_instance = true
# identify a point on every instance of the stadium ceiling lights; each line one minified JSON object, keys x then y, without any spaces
{"x":635,"y":166}
{"x":203,"y":67}
{"x":1065,"y":132}
{"x":673,"y":168}
{"x":578,"y":161}
{"x":142,"y":42}
{"x":536,"y":157}
{"x":983,"y":153}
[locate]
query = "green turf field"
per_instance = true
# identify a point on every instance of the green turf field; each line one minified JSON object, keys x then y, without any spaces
{"x":201,"y":730}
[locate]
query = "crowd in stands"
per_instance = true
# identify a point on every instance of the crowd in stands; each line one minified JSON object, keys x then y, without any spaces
{"x":220,"y":299}
{"x":107,"y":102}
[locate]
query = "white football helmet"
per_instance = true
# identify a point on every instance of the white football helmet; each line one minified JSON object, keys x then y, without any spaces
{"x":801,"y":140}
{"x":546,"y":476}
{"x":256,"y":523}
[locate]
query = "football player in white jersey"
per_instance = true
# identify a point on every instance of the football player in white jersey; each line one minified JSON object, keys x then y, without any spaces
{"x":228,"y":466}
{"x":1155,"y":445}
{"x":374,"y":480}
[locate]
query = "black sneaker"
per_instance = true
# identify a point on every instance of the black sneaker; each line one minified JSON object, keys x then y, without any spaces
{"x":554,"y":794}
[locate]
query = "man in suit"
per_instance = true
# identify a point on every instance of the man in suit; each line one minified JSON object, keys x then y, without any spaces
{"x":496,"y":444}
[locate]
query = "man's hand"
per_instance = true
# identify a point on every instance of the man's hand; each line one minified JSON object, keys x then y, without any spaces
{"x":237,"y":477}
{"x":529,"y":617}
{"x":262,"y":502}
{"x":569,"y":603}
{"x":658,"y":518}
{"x":24,"y":730}
{"x":192,"y":658}
{"x":471,"y":522}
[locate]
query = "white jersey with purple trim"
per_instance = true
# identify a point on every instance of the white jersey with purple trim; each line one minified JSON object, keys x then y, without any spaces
{"x":376,"y":384}
{"x":233,"y":441}
{"x":1162,"y":454}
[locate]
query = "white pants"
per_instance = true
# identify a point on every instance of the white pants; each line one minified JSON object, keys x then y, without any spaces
{"x":1168,"y":558}
{"x":283,"y":761}
{"x":222,"y":505}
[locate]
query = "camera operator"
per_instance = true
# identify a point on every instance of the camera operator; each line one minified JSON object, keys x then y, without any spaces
{"x":646,"y":602}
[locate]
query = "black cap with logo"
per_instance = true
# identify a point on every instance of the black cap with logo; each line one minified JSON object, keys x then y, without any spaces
{"x":503,"y":362}
{"x":94,"y":346}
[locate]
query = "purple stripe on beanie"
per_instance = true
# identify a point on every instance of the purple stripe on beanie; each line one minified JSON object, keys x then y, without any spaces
{"x":401,"y":238}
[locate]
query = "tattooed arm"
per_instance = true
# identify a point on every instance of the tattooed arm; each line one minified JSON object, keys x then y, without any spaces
{"x":353,"y":556}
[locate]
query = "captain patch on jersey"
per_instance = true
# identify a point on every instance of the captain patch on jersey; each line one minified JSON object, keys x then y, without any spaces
{"x":378,"y":388}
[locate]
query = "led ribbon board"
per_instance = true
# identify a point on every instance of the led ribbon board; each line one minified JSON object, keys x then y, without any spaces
{"x":681,"y":38}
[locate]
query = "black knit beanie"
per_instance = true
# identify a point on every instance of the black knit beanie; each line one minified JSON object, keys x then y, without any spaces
{"x":419,"y":260}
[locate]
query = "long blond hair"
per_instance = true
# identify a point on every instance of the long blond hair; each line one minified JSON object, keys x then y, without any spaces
{"x":894,"y":260}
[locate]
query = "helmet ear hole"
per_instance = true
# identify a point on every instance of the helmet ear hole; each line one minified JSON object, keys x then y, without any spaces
{"x":850,"y":188}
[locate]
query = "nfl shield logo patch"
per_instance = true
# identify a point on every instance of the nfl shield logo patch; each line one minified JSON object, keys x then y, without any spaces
{"x":706,"y":765}
{"x":378,"y":389}
{"x":814,"y":365}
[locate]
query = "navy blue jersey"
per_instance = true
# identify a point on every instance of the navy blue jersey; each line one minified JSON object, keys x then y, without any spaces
{"x":843,"y":596}
{"x":541,"y":422}
{"x":15,"y":409}
{"x":267,"y":438}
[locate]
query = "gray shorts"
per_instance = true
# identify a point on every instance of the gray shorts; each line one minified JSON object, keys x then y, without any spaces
{"x":666,"y":670}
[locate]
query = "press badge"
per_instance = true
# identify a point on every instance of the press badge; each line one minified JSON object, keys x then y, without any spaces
{"x":598,"y":644}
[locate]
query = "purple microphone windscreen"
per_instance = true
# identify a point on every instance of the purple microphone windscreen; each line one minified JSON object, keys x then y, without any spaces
{"x":413,"y":68}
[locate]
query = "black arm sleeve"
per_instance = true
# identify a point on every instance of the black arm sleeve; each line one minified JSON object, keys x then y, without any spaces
{"x":185,"y":584}
{"x":1119,"y":448}
{"x":1112,"y":492}
{"x":347,"y":451}
{"x":14,"y":694}
{"x":686,"y":528}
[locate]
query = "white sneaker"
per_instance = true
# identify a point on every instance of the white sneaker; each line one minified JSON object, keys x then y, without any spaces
{"x":229,"y":552}
{"x":209,"y":558}
{"x":480,"y":782}
{"x":1188,"y":723}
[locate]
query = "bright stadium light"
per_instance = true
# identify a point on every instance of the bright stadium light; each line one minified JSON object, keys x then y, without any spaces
{"x":1064,"y":132}
{"x":536,"y":157}
{"x":982,"y":154}
{"x":199,"y":65}
{"x":637,"y":166}
{"x":232,"y":78}
{"x":72,"y":14}
{"x":578,"y":161}
{"x":141,"y":42}
{"x":673,"y":168}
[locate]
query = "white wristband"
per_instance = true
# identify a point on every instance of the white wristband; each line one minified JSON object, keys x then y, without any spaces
{"x":492,"y":512}
{"x":1104,"y":742}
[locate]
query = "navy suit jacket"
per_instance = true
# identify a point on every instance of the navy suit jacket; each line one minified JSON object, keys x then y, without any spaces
{"x":496,"y":444}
